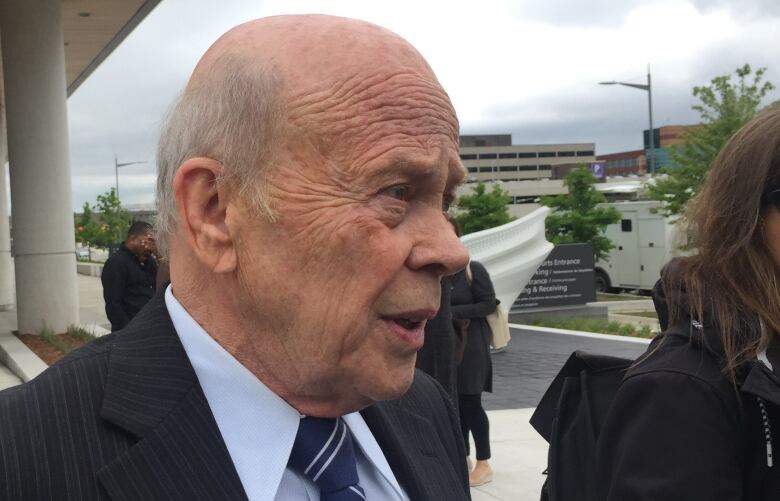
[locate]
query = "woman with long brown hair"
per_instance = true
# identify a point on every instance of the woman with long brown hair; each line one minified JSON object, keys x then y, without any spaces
{"x":697,"y":417}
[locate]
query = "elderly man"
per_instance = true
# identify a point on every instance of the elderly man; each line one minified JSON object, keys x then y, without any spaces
{"x":302,"y":179}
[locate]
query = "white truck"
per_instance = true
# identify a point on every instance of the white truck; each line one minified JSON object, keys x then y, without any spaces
{"x":643,"y":242}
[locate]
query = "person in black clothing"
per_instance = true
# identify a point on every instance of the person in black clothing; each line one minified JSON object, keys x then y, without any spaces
{"x":473,"y":299}
{"x":129,"y":275}
{"x":697,"y":417}
{"x":437,"y":355}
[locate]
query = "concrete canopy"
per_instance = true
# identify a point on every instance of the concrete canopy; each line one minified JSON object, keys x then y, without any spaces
{"x":93,"y":29}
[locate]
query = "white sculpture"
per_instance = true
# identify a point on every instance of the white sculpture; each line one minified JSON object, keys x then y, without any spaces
{"x":511,"y":253}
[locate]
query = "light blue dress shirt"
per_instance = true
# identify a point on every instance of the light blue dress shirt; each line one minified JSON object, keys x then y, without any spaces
{"x":259,"y":428}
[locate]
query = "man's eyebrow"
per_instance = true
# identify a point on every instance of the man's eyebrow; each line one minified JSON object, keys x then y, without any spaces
{"x":413,"y":170}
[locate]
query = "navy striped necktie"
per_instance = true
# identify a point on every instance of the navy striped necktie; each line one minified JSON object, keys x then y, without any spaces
{"x":323,"y":452}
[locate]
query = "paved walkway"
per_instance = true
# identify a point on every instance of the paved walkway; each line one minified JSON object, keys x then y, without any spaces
{"x":523,"y":371}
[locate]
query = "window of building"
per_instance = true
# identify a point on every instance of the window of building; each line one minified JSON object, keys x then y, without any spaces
{"x":527,"y":167}
{"x":486,"y":169}
{"x":468,"y":156}
{"x":487,"y":156}
{"x":546,"y":154}
{"x":545,"y":167}
{"x":585,"y":153}
{"x":625,"y":225}
{"x":508,"y":168}
{"x":473,"y":169}
{"x":565,"y":153}
{"x":507,"y":155}
{"x":479,"y":142}
{"x":531,"y":154}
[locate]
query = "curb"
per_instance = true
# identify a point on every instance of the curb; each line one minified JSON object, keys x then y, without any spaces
{"x":567,"y":332}
{"x":19,"y":358}
{"x":89,"y":269}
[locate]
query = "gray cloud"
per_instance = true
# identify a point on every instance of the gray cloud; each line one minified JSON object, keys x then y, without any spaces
{"x":118,"y":110}
{"x":577,"y":12}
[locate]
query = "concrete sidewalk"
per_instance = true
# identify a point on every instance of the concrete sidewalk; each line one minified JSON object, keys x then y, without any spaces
{"x":519,"y":458}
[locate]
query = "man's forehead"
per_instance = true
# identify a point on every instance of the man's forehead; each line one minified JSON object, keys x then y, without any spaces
{"x":307,"y":49}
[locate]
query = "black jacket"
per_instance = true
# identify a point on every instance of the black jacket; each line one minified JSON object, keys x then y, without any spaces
{"x":437,"y":355}
{"x":679,"y":430}
{"x":128,"y":284}
{"x":474,"y":302}
{"x":125,"y":418}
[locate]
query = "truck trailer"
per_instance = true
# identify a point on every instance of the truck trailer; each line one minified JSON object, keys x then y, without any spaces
{"x":644,"y":241}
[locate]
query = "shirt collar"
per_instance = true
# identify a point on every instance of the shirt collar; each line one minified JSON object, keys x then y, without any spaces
{"x":257,"y":426}
{"x":371,"y":450}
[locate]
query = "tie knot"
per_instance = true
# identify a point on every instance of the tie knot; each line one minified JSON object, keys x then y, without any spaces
{"x":324,"y":453}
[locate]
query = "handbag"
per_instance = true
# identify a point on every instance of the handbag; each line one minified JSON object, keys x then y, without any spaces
{"x":498,"y":321}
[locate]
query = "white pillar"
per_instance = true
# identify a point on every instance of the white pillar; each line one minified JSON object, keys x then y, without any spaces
{"x":6,"y":263}
{"x":36,"y":113}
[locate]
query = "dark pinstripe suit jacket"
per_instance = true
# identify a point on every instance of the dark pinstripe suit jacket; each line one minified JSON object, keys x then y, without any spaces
{"x":124,"y":418}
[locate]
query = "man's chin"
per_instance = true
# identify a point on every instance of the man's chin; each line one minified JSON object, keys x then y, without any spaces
{"x":392,"y":388}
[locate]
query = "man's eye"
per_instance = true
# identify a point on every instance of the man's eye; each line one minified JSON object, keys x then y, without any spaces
{"x":399,"y":192}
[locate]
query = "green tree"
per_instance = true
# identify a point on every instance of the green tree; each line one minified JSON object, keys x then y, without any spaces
{"x":724,"y":107}
{"x":114,"y":220}
{"x":576,"y":217}
{"x":483,"y":209}
{"x":87,"y":229}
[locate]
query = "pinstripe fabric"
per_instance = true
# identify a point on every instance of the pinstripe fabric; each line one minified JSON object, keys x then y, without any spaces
{"x":124,"y":418}
{"x":416,"y":435}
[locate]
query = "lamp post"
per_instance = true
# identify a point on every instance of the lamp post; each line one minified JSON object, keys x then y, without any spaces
{"x":649,"y":89}
{"x":117,"y":165}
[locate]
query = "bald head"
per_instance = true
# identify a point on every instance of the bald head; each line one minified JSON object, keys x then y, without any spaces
{"x":311,"y":50}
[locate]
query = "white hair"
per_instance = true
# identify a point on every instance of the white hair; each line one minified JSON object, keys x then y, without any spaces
{"x":233,"y":115}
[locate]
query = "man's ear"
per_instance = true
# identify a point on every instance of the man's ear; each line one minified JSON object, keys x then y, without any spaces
{"x":202,"y":205}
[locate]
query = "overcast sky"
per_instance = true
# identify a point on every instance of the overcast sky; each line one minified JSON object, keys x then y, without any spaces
{"x":525,"y":67}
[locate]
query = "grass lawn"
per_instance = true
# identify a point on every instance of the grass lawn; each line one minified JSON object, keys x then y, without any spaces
{"x":598,"y":325}
{"x":645,"y":314}
{"x":604,"y":296}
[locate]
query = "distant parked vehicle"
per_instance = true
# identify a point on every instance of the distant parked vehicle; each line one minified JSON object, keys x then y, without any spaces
{"x":643,"y":242}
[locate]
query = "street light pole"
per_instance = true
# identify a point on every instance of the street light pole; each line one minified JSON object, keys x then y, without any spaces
{"x":652,"y":131}
{"x":649,"y":89}
{"x":117,"y":165}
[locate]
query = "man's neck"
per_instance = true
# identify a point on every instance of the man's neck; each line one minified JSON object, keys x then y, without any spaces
{"x":261,"y":355}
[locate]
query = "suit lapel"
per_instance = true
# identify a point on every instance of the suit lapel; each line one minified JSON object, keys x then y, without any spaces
{"x":153,"y":394}
{"x":409,"y":443}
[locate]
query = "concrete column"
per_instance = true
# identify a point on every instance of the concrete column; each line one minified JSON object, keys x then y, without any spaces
{"x":6,"y":263}
{"x":36,"y":112}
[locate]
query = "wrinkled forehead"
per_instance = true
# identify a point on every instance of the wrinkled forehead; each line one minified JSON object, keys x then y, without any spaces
{"x":347,"y":81}
{"x":365,"y":108}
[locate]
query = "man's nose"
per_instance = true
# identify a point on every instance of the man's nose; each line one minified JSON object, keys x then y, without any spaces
{"x":439,"y":248}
